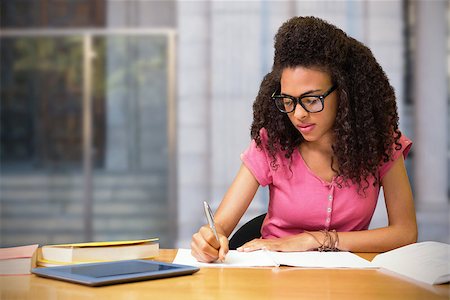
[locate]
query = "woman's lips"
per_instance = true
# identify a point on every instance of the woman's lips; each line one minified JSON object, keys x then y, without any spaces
{"x":306,"y":128}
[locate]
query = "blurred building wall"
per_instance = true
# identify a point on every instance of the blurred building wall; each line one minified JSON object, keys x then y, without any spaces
{"x":431,"y":110}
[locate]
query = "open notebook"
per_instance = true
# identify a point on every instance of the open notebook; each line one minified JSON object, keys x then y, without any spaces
{"x":427,"y":262}
{"x":310,"y":259}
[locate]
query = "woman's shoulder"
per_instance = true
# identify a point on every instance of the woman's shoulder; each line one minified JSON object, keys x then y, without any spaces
{"x":268,"y":148}
{"x":398,"y":148}
{"x":264,"y":135}
{"x":266,"y":143}
{"x":402,"y":146}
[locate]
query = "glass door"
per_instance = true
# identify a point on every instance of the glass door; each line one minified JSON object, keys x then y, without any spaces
{"x":87,"y":127}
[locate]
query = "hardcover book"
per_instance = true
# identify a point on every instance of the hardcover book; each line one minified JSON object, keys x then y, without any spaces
{"x":51,"y":255}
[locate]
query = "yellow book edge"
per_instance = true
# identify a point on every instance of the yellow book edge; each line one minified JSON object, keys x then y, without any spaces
{"x":104,"y":244}
{"x":40,"y":261}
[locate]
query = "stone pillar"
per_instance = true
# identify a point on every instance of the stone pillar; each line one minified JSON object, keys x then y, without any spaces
{"x":194,"y":102}
{"x":431,"y":113}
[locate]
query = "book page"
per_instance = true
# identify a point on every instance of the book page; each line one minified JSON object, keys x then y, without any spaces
{"x":260,"y":258}
{"x":426,"y":261}
{"x":315,"y":259}
{"x":233,"y":259}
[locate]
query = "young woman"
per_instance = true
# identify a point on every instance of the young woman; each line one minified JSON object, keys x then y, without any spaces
{"x":325,"y":139}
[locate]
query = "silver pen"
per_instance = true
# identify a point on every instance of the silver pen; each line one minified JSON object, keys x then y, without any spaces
{"x":210,"y":217}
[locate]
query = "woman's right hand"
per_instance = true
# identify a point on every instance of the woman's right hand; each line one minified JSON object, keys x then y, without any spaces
{"x":206,"y":248}
{"x":204,"y":245}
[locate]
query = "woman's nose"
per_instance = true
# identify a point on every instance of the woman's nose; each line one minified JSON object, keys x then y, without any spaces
{"x":299,"y":112}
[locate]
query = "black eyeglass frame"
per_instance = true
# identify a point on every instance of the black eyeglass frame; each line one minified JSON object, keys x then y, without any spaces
{"x":296,"y":100}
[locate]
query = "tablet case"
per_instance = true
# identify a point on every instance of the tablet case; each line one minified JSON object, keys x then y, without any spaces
{"x":107,"y":273}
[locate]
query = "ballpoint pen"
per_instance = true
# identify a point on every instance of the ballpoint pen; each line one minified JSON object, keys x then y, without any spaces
{"x":210,"y":218}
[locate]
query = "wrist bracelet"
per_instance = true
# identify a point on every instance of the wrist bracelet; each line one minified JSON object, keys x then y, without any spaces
{"x":330,"y":241}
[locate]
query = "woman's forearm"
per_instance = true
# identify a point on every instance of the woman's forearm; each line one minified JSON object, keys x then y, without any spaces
{"x":377,"y":240}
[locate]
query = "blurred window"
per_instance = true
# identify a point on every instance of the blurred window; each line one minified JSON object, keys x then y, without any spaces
{"x":69,"y":173}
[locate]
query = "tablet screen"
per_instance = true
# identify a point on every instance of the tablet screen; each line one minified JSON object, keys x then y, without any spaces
{"x":97,"y":274}
{"x":119,"y":268}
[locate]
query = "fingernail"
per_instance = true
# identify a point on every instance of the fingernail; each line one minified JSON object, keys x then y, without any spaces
{"x":239,"y":248}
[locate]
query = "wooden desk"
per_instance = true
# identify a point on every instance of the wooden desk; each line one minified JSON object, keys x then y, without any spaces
{"x":234,"y":284}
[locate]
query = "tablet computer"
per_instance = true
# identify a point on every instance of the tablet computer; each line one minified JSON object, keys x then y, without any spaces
{"x":106,"y":273}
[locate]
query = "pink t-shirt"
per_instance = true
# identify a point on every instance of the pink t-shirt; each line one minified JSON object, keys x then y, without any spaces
{"x":300,"y":200}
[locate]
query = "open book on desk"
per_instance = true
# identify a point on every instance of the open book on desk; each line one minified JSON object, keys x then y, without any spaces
{"x":260,"y":258}
{"x":427,"y":262}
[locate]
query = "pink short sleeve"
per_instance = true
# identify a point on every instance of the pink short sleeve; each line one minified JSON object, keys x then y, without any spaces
{"x":257,"y":160}
{"x":406,"y":144}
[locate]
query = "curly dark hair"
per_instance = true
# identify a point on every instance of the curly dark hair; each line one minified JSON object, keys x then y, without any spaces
{"x":366,"y":125}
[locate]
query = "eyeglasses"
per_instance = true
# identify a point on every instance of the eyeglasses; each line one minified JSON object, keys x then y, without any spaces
{"x":310,"y":103}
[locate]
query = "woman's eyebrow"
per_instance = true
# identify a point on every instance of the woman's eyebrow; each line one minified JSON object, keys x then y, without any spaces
{"x":305,"y":93}
{"x":309,"y":92}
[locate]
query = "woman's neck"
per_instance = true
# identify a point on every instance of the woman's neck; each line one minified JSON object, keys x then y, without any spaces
{"x":322,"y":146}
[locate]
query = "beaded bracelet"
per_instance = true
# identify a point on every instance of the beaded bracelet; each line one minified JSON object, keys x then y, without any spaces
{"x":330,"y":242}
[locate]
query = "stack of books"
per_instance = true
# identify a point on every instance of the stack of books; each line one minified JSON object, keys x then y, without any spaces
{"x":65,"y":254}
{"x":17,"y":260}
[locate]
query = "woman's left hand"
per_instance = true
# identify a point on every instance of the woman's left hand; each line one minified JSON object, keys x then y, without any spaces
{"x":299,"y":242}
